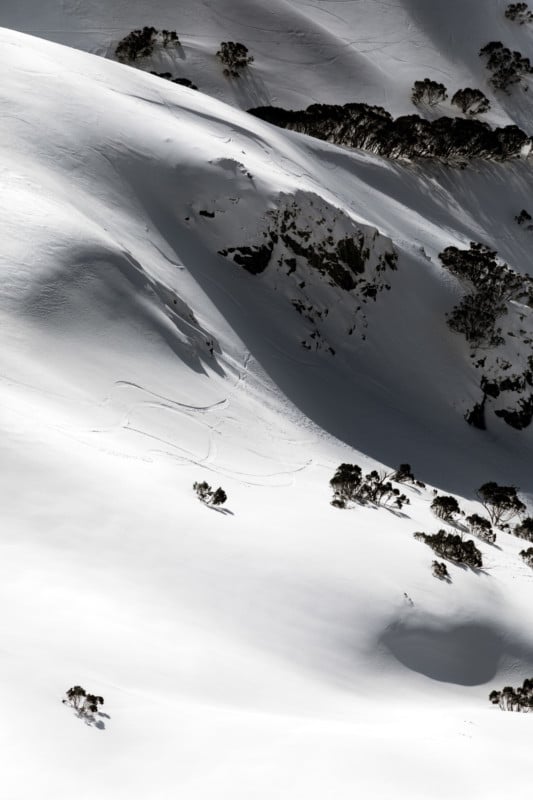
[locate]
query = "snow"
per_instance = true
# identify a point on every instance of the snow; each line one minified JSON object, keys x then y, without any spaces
{"x":267,"y":649}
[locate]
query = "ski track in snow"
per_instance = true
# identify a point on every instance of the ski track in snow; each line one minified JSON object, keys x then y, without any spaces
{"x":281,"y":648}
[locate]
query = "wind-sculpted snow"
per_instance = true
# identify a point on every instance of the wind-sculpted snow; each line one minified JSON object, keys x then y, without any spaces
{"x":286,"y":648}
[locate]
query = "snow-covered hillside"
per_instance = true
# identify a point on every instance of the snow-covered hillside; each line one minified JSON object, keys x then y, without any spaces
{"x":191,"y":294}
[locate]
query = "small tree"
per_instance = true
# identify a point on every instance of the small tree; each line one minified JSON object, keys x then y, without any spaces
{"x":445,"y":507}
{"x":481,"y":528}
{"x":84,"y":704}
{"x":523,"y":218}
{"x":527,"y":556}
{"x":525,"y":529}
{"x":429,"y":92}
{"x":404,"y":474}
{"x":440,"y":571}
{"x":206,"y":494}
{"x":501,"y":503}
{"x":519,"y":12}
{"x":218,"y":497}
{"x":345,"y":484}
{"x":471,"y":101}
{"x":235,"y":58}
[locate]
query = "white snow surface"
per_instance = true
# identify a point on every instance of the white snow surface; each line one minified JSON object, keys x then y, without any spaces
{"x":279,"y":647}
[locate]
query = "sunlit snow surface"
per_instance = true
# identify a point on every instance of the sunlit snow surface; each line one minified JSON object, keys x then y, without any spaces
{"x":269,"y":651}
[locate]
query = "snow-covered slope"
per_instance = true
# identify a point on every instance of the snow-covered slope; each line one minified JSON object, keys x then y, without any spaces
{"x":283,"y":648}
{"x":305,"y":52}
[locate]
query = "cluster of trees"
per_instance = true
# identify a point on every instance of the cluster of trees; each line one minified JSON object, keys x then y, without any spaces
{"x":209,"y":496}
{"x":453,"y":547}
{"x":490,"y":286}
{"x":428,"y":92}
{"x":508,"y":67}
{"x":84,"y":704}
{"x":509,"y":699}
{"x":140,"y":43}
{"x":519,"y":12}
{"x":350,"y":485}
{"x":373,"y":128}
{"x":234,"y":56}
{"x":167,"y":76}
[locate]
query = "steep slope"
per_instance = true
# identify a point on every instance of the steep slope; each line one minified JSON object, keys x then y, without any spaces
{"x":304,"y":52}
{"x":284,"y":648}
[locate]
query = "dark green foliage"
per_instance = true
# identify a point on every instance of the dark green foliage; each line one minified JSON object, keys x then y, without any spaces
{"x":446,"y":507}
{"x":372,"y":128}
{"x":429,"y":92}
{"x":141,"y":43}
{"x":501,"y":503}
{"x":235,"y":58}
{"x":167,"y":76}
{"x":481,"y":528}
{"x":404,"y":474}
{"x":525,"y":529}
{"x":527,"y":556}
{"x":523,"y":218}
{"x":218,"y":497}
{"x":346,"y":484}
{"x":350,"y":485}
{"x":519,"y":12}
{"x":471,"y":101}
{"x":507,"y":67}
{"x":209,"y":496}
{"x":509,"y":699}
{"x":440,"y":571}
{"x":491,"y":286}
{"x":82,"y":702}
{"x":453,"y":547}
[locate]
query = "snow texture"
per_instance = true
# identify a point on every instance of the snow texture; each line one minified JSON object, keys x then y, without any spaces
{"x":176,"y":305}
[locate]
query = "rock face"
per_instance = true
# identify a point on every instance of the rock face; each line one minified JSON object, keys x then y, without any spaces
{"x":311,"y":251}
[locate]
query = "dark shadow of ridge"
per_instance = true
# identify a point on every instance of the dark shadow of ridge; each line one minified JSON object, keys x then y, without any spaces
{"x":358,"y":403}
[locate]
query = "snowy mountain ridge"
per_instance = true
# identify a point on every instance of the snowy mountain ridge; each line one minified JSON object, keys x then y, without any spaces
{"x":192,"y":294}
